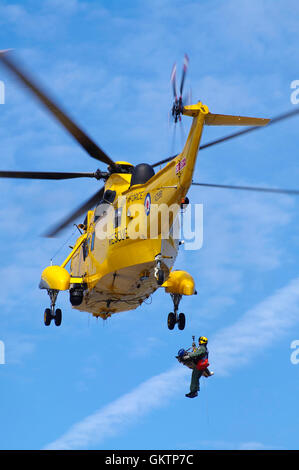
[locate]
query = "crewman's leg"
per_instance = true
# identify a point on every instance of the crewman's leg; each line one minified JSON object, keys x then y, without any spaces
{"x":208,"y":373}
{"x":194,"y":386}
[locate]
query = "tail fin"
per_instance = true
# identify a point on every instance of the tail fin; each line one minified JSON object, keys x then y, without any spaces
{"x":228,"y":120}
{"x":222,"y":119}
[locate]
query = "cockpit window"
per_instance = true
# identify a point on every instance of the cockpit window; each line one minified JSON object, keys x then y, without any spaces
{"x":109,"y":196}
{"x":102,"y":208}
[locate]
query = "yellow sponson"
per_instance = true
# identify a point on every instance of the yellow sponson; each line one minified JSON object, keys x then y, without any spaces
{"x":180,"y":282}
{"x":56,"y":278}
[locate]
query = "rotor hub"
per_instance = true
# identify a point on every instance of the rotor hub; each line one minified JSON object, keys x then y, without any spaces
{"x":177,"y":109}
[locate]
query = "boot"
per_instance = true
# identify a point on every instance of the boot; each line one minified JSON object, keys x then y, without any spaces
{"x":208,"y":373}
{"x":191,"y":394}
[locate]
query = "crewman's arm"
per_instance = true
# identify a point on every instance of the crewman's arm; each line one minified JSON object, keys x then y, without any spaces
{"x":200,"y":351}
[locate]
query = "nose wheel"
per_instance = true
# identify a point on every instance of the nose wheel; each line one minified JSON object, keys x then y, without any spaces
{"x":159,"y":273}
{"x":52,"y":313}
{"x":175,"y":318}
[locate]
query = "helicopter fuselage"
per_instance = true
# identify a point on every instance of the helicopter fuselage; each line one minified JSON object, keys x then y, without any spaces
{"x":118,"y":271}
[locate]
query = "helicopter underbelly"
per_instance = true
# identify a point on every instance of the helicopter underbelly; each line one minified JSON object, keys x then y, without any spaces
{"x":128,"y":287}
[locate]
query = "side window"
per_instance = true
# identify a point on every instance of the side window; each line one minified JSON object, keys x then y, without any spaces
{"x":92,"y":241}
{"x":117,"y":217}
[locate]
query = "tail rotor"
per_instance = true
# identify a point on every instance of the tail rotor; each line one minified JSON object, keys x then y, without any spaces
{"x":178,"y":104}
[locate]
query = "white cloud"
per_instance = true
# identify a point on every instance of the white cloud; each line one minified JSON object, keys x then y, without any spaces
{"x":109,"y":420}
{"x":256,"y":330}
{"x":18,"y":347}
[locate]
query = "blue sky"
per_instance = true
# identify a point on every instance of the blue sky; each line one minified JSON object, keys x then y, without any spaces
{"x":116,"y":385}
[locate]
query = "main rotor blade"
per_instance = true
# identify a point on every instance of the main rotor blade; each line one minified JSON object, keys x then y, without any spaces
{"x":44,"y":175}
{"x":274,"y":120}
{"x":166,"y":160}
{"x":89,"y":204}
{"x":78,"y":134}
{"x":250,"y":188}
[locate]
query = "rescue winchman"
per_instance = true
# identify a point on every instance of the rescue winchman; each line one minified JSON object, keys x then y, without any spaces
{"x":198,"y":361}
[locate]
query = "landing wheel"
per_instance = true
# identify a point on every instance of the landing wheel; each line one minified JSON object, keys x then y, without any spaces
{"x":58,"y":317}
{"x":171,"y":321}
{"x":182,"y":321}
{"x":47,"y":316}
{"x":174,"y":318}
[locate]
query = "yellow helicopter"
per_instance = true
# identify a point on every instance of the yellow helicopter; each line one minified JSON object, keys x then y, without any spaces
{"x":119,"y":271}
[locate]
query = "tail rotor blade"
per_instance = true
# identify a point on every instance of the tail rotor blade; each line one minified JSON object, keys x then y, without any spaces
{"x":185,"y":68}
{"x":173,"y":81}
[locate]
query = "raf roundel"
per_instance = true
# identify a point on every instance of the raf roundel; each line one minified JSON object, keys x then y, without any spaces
{"x":147,"y":203}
